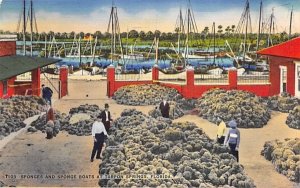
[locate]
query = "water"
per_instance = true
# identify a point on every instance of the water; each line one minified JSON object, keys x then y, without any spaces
{"x":137,"y":65}
{"x":133,"y":64}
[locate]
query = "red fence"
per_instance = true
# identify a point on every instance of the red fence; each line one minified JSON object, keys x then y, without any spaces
{"x":189,"y":88}
{"x":32,"y":86}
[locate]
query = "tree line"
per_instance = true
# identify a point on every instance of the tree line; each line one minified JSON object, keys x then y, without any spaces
{"x":221,"y":34}
{"x":142,"y":35}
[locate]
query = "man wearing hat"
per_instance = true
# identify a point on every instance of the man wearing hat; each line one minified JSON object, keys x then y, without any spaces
{"x":99,"y":134}
{"x":164,"y":108}
{"x":233,"y":139}
{"x":106,"y":117}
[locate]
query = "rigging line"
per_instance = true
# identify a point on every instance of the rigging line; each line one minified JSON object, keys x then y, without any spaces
{"x":19,"y":22}
{"x":28,"y":16}
{"x":36,"y":27}
{"x":110,"y":19}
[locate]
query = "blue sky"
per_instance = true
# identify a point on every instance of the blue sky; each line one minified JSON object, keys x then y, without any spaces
{"x":92,"y":15}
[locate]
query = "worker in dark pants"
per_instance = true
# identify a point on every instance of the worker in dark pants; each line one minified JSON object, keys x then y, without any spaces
{"x":47,"y":94}
{"x":164,"y":108}
{"x":99,"y":134}
{"x":106,"y":117}
{"x":233,"y":139}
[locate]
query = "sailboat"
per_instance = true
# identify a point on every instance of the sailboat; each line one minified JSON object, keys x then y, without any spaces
{"x":114,"y":29}
{"x":132,"y":55}
{"x":190,"y":29}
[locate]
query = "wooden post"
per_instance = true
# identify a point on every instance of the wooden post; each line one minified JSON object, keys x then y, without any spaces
{"x":110,"y":80}
{"x":232,"y":76}
{"x":190,"y":82}
{"x":63,"y":78}
{"x":36,"y":81}
{"x":155,"y":73}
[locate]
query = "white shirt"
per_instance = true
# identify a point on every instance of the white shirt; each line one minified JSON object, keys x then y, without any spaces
{"x":165,"y":103}
{"x":98,"y":128}
{"x":106,"y":113}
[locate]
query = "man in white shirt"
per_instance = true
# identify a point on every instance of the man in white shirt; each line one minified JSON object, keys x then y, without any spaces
{"x":99,"y":134}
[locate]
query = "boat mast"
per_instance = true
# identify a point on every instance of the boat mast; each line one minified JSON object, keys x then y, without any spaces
{"x":127,"y":42}
{"x":156,"y":50}
{"x":180,"y":29}
{"x":214,"y":30}
{"x":270,"y":28}
{"x":94,"y":50}
{"x":259,"y":28}
{"x":115,"y":30}
{"x":31,"y":28}
{"x":291,"y":19}
{"x":46,"y":46}
{"x":246,"y":30}
{"x":24,"y":27}
{"x":79,"y":51}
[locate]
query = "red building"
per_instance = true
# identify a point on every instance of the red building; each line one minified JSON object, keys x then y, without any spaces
{"x":284,"y":62}
{"x":12,"y":65}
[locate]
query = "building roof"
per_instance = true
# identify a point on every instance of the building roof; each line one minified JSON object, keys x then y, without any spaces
{"x":288,"y":49}
{"x":15,"y":65}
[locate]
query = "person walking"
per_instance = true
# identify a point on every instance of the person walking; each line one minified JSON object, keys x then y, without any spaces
{"x":233,"y":139}
{"x":106,"y":117}
{"x":47,"y":93}
{"x":164,"y":108}
{"x":221,"y":132}
{"x":99,"y":134}
{"x":49,"y":113}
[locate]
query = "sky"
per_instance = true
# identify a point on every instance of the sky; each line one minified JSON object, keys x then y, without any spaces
{"x":146,"y":15}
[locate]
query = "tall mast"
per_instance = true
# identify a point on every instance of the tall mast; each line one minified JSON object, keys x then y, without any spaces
{"x":156,"y":50}
{"x":187,"y":39}
{"x":79,"y":51}
{"x":291,"y":19}
{"x":31,"y":28}
{"x":270,"y":28}
{"x":180,"y":28}
{"x":24,"y":27}
{"x":259,"y":27}
{"x":246,"y":31}
{"x":46,"y":46}
{"x":214,"y":30}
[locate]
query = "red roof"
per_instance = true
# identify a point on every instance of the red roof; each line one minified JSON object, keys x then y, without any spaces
{"x":288,"y":49}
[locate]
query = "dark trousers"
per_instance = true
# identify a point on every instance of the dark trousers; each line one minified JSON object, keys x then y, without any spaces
{"x":97,"y":146}
{"x":48,"y":99}
{"x":106,"y":125}
{"x":221,"y":139}
{"x":234,"y":152}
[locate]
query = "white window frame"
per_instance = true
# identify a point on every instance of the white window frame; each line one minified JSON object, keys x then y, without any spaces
{"x":297,"y":78}
{"x":282,"y":68}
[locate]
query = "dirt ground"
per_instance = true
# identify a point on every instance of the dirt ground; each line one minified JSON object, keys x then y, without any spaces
{"x":31,"y":154}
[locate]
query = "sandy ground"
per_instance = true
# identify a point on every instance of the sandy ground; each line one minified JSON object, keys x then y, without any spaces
{"x":32,"y":154}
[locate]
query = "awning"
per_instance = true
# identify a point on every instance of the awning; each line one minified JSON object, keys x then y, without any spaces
{"x":15,"y":65}
{"x":288,"y":49}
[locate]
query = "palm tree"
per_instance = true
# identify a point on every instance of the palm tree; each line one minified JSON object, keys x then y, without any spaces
{"x":228,"y":30}
{"x":157,"y":33}
{"x":142,"y":35}
{"x":149,"y":35}
{"x":205,"y":32}
{"x":233,"y":28}
{"x":220,"y":31}
{"x":133,"y":34}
